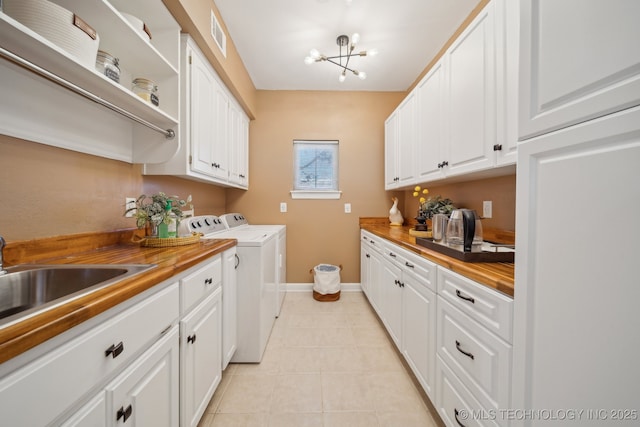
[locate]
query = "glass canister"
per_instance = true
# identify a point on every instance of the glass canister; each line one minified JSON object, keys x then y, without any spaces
{"x":108,"y":65}
{"x":147,"y":90}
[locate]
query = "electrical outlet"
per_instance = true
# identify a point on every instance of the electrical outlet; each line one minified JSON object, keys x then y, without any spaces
{"x":130,"y":202}
{"x":487,"y":208}
{"x":347,"y":208}
{"x":283,"y":207}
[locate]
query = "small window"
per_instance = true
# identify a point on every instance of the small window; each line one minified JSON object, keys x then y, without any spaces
{"x":315,"y":173}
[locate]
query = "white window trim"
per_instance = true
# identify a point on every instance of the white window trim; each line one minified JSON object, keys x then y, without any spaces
{"x":316,"y":194}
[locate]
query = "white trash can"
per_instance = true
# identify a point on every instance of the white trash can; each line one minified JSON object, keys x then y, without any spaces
{"x":326,"y":282}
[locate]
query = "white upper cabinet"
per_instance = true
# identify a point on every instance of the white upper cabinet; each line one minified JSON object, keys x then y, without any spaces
{"x":400,"y":144}
{"x":214,"y":129}
{"x":36,"y":109}
{"x":561,"y":83}
{"x":465,"y":106}
{"x":470,"y":101}
{"x":431,"y":147}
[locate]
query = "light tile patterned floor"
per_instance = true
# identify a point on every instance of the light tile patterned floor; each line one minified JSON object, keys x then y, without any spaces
{"x":327,"y":364}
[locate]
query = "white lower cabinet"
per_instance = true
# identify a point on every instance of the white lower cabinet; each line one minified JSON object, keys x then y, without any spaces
{"x":200,"y":358}
{"x":419,"y":340}
{"x":229,"y":306}
{"x":146,"y":393}
{"x":153,"y":361}
{"x":200,"y":339}
{"x":401,"y":289}
{"x":454,"y":333}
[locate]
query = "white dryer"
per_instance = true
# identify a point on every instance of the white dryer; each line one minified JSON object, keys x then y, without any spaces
{"x":256,"y":283}
{"x":237,"y":221}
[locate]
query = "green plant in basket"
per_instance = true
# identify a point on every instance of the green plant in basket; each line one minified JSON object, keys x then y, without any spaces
{"x":152,"y":209}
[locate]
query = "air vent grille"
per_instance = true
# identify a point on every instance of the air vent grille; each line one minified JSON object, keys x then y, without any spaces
{"x":218,"y":34}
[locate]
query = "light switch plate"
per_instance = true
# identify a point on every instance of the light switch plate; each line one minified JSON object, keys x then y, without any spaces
{"x":487,"y":209}
{"x":283,"y":207}
{"x":347,"y":208}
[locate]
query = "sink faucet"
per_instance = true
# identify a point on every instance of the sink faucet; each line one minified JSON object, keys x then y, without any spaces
{"x":2,"y":243}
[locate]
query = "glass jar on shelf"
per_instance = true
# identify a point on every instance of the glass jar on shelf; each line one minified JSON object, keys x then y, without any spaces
{"x":108,"y":65}
{"x":147,"y":90}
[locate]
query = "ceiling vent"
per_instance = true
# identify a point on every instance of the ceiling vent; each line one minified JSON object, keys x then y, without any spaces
{"x":218,"y":35}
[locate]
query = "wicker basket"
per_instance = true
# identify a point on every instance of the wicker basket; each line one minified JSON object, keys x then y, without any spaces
{"x":58,"y":25}
{"x":154,"y":242}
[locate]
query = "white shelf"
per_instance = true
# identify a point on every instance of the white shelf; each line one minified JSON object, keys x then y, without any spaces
{"x":157,"y":60}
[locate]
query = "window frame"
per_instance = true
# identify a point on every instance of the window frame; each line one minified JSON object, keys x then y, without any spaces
{"x":316,"y":193}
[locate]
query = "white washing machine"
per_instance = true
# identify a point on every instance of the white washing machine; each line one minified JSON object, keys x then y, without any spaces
{"x":256,"y":283}
{"x":237,"y":221}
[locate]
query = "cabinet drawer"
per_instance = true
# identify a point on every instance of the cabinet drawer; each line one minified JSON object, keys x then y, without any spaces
{"x":480,"y":359}
{"x":489,"y":307}
{"x":455,"y":404}
{"x":60,"y":378}
{"x":423,"y":271}
{"x":197,"y":285}
{"x":372,"y":241}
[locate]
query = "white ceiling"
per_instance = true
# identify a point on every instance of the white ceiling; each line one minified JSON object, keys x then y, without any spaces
{"x":274,"y":36}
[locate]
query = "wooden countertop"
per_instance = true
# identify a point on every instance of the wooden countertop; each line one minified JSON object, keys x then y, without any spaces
{"x":81,"y":249}
{"x":497,"y":275}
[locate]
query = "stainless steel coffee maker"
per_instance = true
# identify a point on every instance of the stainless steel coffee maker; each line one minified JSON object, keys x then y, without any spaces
{"x":464,"y":231}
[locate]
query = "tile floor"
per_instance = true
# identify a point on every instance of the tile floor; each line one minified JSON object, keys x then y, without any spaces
{"x":327,"y":364}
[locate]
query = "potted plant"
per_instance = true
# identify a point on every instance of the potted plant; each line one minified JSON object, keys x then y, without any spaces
{"x":151,"y":211}
{"x":428,"y":207}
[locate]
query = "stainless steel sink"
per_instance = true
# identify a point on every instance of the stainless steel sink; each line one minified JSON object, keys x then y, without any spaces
{"x":28,"y":289}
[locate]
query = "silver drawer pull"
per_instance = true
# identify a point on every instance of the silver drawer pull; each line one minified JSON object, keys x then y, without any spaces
{"x":469,"y":355}
{"x":464,"y":297}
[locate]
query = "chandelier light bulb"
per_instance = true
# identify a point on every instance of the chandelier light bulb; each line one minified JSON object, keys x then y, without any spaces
{"x":342,"y":76}
{"x":362,"y":75}
{"x":309,"y":60}
{"x":355,"y":38}
{"x":314,"y":54}
{"x":372,"y":52}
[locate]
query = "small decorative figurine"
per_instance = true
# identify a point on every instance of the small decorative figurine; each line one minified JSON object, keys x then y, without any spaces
{"x":395,"y":216}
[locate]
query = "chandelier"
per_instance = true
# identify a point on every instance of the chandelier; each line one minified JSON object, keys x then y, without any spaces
{"x":349,"y":46}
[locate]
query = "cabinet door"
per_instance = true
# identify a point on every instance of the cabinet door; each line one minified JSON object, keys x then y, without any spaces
{"x":407,"y":137}
{"x":202,"y":111}
{"x":365,"y":268}
{"x":229,"y":306}
{"x":391,"y":301}
{"x":576,"y":314}
{"x":220,"y":143}
{"x":146,"y":393}
{"x":471,"y":110}
{"x":200,"y":358}
{"x":431,"y":148}
{"x":579,"y":60}
{"x":391,"y":177}
{"x":419,"y":331}
{"x":507,"y":20}
{"x":238,"y":145}
{"x":375,"y":281}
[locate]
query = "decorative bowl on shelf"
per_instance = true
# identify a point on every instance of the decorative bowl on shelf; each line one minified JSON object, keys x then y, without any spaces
{"x":58,"y":25}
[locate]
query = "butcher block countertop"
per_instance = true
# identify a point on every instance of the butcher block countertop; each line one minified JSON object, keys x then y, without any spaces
{"x":497,"y":275}
{"x":95,"y":248}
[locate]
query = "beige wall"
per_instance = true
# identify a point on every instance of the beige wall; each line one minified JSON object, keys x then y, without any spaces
{"x":500,"y":190}
{"x":318,"y":231}
{"x":49,"y":191}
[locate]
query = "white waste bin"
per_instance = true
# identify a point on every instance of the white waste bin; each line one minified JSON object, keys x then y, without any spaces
{"x":326,"y":282}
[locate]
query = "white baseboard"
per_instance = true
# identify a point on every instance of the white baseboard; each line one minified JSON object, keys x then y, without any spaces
{"x":308,"y":287}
